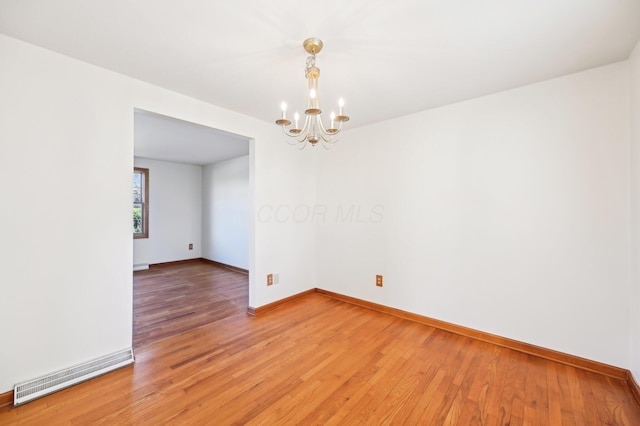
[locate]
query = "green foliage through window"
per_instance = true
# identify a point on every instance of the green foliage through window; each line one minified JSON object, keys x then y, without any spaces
{"x":137,"y":220}
{"x":140,"y":202}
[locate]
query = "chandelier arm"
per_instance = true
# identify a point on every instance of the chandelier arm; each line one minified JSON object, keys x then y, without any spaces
{"x":299,"y":136}
{"x":287,"y":132}
{"x":332,"y":141}
{"x":304,"y":134}
{"x":328,"y":144}
{"x":325,"y":135}
{"x":298,"y":139}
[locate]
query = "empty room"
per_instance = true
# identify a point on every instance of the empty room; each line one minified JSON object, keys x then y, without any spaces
{"x":410,"y":212}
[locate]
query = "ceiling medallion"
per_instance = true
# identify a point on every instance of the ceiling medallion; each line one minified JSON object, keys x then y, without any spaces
{"x":313,"y":130}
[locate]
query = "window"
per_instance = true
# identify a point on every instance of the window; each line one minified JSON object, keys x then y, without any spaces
{"x":140,"y":203}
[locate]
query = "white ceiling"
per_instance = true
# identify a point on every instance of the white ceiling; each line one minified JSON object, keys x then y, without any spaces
{"x":164,"y":138}
{"x":386,"y":58}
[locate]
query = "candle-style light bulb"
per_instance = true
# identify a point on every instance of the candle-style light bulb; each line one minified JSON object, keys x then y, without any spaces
{"x":341,"y":104}
{"x":296,"y":117}
{"x":333,"y":117}
{"x":283,"y":106}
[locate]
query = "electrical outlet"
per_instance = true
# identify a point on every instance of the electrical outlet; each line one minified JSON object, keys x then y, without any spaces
{"x":276,"y":278}
{"x":270,"y":279}
{"x":379,"y":280}
{"x":190,"y":246}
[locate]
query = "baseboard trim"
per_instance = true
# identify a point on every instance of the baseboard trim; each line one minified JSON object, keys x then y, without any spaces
{"x":6,"y":399}
{"x":563,"y":358}
{"x":271,"y":306}
{"x":633,"y":386}
{"x":174,"y":263}
{"x":140,"y":267}
{"x":224,"y":265}
{"x":197,"y":259}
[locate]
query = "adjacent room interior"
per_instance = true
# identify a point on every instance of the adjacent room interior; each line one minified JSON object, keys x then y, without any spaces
{"x":195,"y":188}
{"x":467,"y":251}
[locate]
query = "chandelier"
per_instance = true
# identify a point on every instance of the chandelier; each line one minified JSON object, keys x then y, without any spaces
{"x":313,"y":130}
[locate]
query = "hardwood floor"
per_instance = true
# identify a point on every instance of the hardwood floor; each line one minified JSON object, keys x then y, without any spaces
{"x":174,"y":298}
{"x":316,"y":360}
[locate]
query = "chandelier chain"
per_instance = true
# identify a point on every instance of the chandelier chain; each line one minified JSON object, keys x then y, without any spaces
{"x":311,"y":61}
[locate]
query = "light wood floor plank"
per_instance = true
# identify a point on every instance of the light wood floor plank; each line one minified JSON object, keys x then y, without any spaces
{"x":315,"y":360}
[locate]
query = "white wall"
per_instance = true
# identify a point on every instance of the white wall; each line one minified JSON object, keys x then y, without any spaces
{"x":225,"y":212}
{"x":634,"y":299}
{"x":508,"y":214}
{"x":175,"y":213}
{"x":286,"y":247}
{"x":66,"y":154}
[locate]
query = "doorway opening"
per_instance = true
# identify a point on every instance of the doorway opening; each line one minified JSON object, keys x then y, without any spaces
{"x":198,"y":215}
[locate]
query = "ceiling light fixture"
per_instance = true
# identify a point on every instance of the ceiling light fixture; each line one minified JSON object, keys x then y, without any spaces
{"x":313,"y":131}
